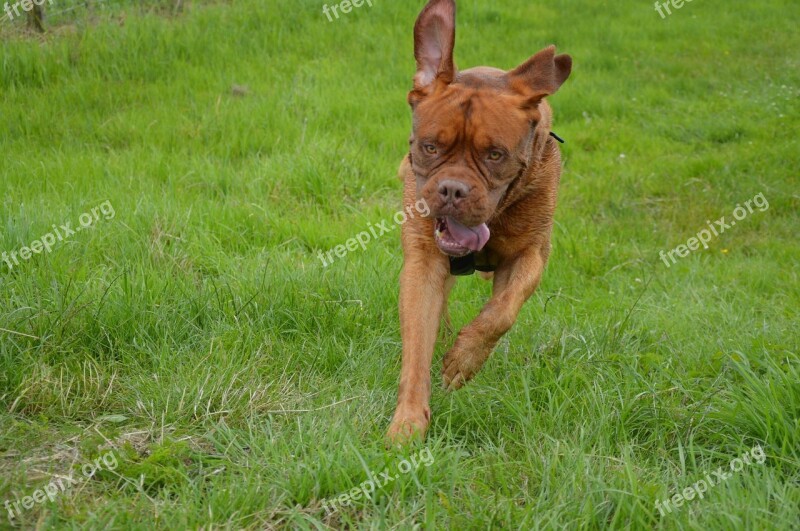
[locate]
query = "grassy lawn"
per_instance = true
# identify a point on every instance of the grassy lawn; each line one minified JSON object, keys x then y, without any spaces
{"x":190,"y":362}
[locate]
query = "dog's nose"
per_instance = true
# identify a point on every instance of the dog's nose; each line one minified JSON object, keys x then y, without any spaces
{"x":453,"y":191}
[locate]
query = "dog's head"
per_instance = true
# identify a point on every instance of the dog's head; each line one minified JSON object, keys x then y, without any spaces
{"x":473,"y":131}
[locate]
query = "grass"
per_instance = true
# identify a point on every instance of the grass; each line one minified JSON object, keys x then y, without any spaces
{"x":240,"y":383}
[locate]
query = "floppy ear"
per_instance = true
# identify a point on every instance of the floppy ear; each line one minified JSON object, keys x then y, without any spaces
{"x":434,"y":37}
{"x":541,"y":75}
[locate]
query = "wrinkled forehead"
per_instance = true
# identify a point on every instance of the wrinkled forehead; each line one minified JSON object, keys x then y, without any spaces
{"x":483,"y":115}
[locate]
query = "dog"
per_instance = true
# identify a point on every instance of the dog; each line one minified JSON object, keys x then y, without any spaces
{"x":483,"y":157}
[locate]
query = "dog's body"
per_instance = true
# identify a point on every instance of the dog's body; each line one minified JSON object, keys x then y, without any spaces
{"x":483,"y":159}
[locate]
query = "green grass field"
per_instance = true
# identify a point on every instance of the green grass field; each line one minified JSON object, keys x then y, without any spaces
{"x":240,"y":384}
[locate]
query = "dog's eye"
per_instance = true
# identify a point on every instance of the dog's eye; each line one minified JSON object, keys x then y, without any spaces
{"x":495,"y":155}
{"x":430,"y":149}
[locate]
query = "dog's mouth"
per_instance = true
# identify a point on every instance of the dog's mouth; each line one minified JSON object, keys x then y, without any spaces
{"x":455,"y":239}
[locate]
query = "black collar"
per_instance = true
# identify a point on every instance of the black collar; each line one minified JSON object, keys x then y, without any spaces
{"x":465,"y":265}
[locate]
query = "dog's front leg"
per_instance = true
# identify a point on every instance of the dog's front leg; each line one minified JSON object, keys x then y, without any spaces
{"x":514,"y":283}
{"x":422,"y":288}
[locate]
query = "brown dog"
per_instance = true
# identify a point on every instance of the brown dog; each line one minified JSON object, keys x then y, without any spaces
{"x":483,"y":158}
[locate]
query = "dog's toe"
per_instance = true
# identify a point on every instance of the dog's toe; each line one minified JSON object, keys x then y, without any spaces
{"x":453,"y":383}
{"x":404,"y":431}
{"x":454,"y":372}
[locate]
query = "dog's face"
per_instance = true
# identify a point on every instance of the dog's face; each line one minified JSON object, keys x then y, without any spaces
{"x":472,"y":130}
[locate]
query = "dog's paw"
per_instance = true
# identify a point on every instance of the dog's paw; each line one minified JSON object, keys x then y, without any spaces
{"x":461,"y":364}
{"x":406,"y":429}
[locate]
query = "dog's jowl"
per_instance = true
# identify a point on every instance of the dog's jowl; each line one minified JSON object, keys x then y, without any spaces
{"x":483,"y":158}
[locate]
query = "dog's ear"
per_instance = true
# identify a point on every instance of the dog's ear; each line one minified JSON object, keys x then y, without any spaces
{"x":434,"y":38}
{"x":541,"y":75}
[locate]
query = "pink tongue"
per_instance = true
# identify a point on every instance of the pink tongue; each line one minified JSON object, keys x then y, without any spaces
{"x":472,"y":238}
